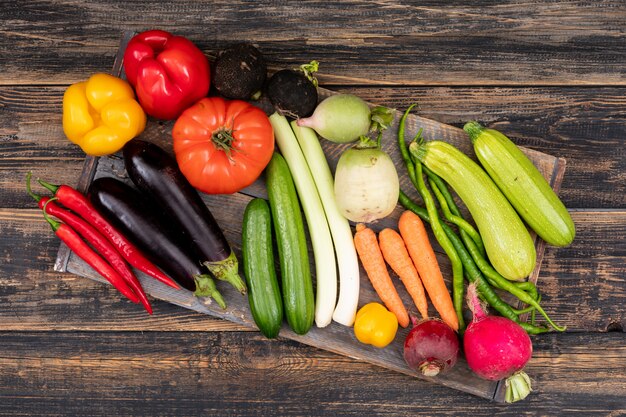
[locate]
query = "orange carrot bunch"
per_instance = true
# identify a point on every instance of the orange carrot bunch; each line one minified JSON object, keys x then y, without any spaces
{"x":411,"y":256}
{"x":372,"y":259}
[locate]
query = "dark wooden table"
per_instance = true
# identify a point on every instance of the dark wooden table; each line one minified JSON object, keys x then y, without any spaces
{"x":550,"y":74}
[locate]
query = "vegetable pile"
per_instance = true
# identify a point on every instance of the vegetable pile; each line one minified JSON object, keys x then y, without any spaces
{"x":157,"y":222}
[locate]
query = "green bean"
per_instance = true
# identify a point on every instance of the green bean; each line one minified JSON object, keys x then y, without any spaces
{"x":532,"y":329}
{"x":527,"y":286}
{"x":528,"y":309}
{"x":472,"y":272}
{"x":408,"y":204}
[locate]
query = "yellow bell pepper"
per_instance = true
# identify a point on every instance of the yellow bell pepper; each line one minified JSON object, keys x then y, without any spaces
{"x":375,"y":325}
{"x":101,"y":114}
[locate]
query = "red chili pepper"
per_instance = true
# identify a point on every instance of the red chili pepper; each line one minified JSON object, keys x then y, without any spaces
{"x":82,"y":249}
{"x":77,"y":202}
{"x":99,"y":242}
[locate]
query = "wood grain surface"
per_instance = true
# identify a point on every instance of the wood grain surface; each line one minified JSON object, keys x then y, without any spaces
{"x":549,"y":73}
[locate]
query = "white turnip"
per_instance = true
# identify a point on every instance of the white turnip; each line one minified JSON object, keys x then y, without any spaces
{"x":366,"y":183}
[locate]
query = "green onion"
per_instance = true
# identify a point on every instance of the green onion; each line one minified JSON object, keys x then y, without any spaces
{"x":325,"y":266}
{"x":347,"y":260}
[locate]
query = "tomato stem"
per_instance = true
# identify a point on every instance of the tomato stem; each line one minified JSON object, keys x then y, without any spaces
{"x":223,"y":140}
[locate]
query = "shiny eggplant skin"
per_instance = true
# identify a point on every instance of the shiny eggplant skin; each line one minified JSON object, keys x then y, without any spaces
{"x":156,"y":236}
{"x":155,"y":172}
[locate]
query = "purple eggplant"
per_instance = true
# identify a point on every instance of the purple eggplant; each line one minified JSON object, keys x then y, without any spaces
{"x":155,"y":172}
{"x":153,"y":233}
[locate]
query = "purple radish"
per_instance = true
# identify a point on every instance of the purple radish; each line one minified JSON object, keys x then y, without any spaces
{"x":431,"y":347}
{"x":497,"y":348}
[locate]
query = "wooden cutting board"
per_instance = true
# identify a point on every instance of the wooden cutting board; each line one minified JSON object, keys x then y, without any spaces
{"x":228,"y":211}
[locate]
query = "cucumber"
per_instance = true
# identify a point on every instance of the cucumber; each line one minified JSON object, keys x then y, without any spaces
{"x":297,"y":283}
{"x":507,"y":241}
{"x":522,"y":184}
{"x":264,"y":297}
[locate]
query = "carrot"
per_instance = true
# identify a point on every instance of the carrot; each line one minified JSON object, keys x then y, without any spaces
{"x":421,"y":251}
{"x":372,"y":259}
{"x":395,"y":253}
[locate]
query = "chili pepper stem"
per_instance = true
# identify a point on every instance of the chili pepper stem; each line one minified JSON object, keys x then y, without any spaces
{"x":30,"y":192}
{"x":51,"y":187}
{"x":205,"y":287}
{"x":227,"y":270}
{"x":53,"y":223}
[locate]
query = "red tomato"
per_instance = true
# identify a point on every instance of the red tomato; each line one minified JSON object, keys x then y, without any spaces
{"x":222,"y":146}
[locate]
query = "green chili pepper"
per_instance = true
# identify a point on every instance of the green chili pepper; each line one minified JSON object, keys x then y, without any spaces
{"x":509,"y":286}
{"x":415,"y":173}
{"x":483,"y":265}
{"x":446,"y":204}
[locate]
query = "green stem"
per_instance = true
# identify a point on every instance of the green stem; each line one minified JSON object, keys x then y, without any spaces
{"x":309,"y":69}
{"x":367,"y":143}
{"x":51,"y":187}
{"x":205,"y":287}
{"x":53,"y":223}
{"x":227,"y":270}
{"x":381,"y":118}
{"x":30,"y":192}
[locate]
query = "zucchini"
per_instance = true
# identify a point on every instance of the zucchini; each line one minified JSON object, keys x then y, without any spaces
{"x":264,"y":297}
{"x":507,"y":241}
{"x":522,"y":184}
{"x":297,"y":283}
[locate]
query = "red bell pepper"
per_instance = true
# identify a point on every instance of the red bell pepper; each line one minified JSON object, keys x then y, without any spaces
{"x":169,"y":72}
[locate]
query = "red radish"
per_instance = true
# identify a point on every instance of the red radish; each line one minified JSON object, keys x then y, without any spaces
{"x":496,"y":348}
{"x":431,"y":347}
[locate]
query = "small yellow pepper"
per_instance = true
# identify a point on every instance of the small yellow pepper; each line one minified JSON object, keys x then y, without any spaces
{"x":101,"y":114}
{"x":375,"y":325}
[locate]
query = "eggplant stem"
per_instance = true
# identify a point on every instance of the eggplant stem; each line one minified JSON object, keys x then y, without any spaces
{"x":227,"y":270}
{"x":205,"y":287}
